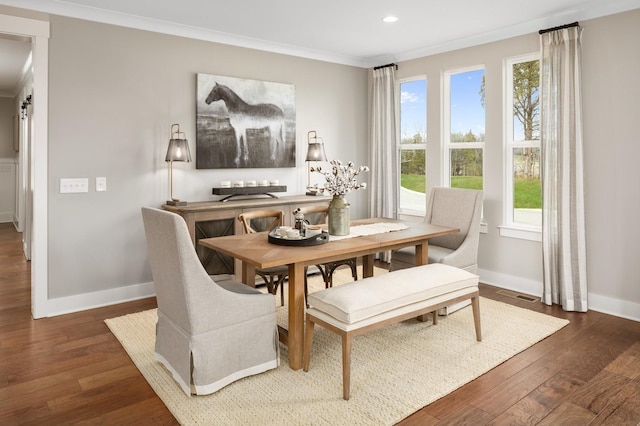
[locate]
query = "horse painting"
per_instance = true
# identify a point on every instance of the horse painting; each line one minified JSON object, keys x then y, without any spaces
{"x":244,"y":116}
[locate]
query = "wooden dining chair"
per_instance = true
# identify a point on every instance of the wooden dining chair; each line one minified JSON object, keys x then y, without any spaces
{"x":261,"y":221}
{"x":317,"y":215}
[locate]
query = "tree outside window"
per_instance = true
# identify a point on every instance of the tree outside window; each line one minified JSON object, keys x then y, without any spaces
{"x":465,"y":123}
{"x":523,"y":199}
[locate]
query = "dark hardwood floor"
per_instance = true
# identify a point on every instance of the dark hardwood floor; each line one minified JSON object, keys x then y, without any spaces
{"x":71,"y":370}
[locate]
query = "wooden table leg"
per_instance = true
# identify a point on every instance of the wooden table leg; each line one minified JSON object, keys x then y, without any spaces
{"x":248,"y":274}
{"x":367,"y":266}
{"x":422,"y":253}
{"x":295,"y":336}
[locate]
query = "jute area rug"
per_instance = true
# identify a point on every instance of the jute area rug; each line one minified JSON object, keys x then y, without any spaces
{"x":395,"y":371}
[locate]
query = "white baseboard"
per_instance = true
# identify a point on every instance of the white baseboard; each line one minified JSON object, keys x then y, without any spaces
{"x":511,"y":282}
{"x":6,"y":217}
{"x":16,"y":223}
{"x":617,"y":307}
{"x":27,"y":255}
{"x":98,"y":299}
{"x":606,"y":305}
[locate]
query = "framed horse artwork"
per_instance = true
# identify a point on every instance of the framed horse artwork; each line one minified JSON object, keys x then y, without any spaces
{"x":244,"y":123}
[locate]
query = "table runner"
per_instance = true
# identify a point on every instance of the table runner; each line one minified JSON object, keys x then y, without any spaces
{"x":369,"y":229}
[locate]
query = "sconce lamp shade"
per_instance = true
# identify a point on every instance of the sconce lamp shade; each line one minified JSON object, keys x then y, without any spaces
{"x":178,"y":151}
{"x":315,"y":148}
{"x":178,"y":148}
{"x":315,"y":152}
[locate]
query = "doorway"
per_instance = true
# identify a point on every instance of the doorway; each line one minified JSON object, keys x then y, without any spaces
{"x":15,"y":52}
{"x":37,"y":153}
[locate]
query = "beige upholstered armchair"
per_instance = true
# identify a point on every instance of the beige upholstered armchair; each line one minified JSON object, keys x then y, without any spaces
{"x":208,"y":334}
{"x":453,"y":207}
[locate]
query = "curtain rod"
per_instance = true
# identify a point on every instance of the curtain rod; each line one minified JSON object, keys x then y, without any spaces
{"x":385,"y":66}
{"x":561,"y":27}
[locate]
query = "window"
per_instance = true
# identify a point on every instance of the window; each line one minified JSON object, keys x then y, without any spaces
{"x":523,"y":192}
{"x":412,"y":149}
{"x":464,"y":126}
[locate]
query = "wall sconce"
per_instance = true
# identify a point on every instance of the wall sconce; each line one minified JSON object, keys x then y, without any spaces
{"x":25,"y":104}
{"x":178,"y":151}
{"x":315,"y":152}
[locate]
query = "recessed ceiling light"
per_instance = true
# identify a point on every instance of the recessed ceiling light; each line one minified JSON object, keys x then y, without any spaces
{"x":389,"y":19}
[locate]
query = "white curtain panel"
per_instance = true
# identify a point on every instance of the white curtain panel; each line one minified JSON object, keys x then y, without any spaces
{"x":563,"y":226}
{"x":383,"y":189}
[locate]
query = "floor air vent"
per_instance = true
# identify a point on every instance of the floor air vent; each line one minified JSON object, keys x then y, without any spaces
{"x":520,"y":296}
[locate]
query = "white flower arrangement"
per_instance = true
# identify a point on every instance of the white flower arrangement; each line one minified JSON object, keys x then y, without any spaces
{"x":342,"y":178}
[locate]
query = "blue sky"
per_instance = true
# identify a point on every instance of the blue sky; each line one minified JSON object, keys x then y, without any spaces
{"x":413,"y":107}
{"x":466,"y":111}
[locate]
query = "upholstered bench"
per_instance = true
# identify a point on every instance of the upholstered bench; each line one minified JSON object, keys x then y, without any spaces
{"x":372,"y":303}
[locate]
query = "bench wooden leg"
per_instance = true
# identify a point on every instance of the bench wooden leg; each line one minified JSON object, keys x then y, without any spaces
{"x":308,"y":340}
{"x":475,"y":305}
{"x":346,"y":365}
{"x":423,"y":318}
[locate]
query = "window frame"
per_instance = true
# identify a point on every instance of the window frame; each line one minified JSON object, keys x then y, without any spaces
{"x":509,"y":228}
{"x":447,"y":145}
{"x":409,"y":147}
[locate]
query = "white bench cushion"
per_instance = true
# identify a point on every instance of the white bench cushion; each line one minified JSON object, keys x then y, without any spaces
{"x":359,"y":300}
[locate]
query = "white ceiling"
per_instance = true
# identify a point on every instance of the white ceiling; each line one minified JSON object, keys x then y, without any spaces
{"x":349,"y":32}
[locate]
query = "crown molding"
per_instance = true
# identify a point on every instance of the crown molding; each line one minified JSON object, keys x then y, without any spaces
{"x":170,"y":28}
{"x":593,"y":9}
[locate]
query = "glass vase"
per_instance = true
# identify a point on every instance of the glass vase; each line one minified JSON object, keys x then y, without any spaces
{"x":339,"y":217}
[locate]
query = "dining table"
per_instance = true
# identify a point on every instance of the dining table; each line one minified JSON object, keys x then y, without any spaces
{"x":255,"y":251}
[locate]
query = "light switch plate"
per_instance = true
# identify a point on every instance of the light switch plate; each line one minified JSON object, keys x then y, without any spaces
{"x":74,"y":185}
{"x":101,"y":184}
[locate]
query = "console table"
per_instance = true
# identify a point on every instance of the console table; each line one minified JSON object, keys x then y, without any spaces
{"x":208,"y":219}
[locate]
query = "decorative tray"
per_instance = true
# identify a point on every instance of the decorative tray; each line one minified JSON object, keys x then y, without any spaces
{"x":313,"y":240}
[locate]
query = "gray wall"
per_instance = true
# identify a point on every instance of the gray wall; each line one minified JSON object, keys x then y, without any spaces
{"x":7,"y":161}
{"x":611,"y":59}
{"x":114,"y":92}
{"x":7,"y":112}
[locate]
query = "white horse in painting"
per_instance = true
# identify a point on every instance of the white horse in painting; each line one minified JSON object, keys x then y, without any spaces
{"x":244,"y":116}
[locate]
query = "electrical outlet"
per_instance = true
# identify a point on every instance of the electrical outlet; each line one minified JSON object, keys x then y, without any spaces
{"x":101,"y":184}
{"x":74,"y":185}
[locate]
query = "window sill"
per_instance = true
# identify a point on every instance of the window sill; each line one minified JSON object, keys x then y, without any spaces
{"x":521,"y":233}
